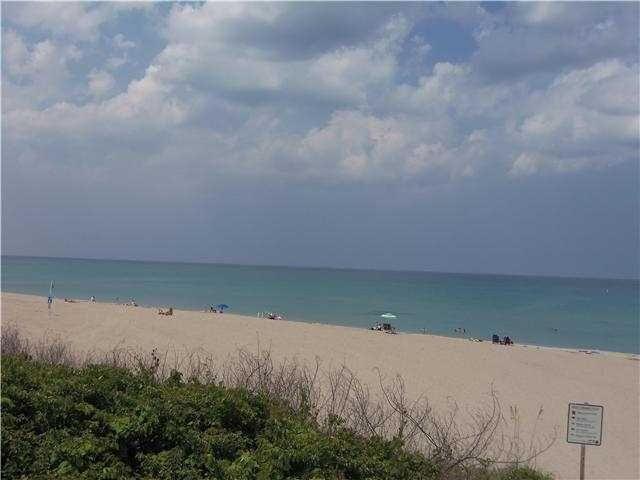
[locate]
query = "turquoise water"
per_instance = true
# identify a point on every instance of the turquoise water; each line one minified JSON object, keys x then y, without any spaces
{"x":586,"y":313}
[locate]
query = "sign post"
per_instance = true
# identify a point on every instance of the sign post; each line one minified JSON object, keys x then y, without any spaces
{"x":584,"y":427}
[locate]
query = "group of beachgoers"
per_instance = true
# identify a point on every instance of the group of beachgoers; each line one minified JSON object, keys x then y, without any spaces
{"x":384,"y":327}
{"x":210,"y":309}
{"x":92,"y":299}
{"x":495,"y":338}
{"x":270,"y":315}
{"x":388,"y":328}
{"x":506,"y":340}
{"x":378,"y":327}
{"x":71,"y":300}
{"x":132,"y":303}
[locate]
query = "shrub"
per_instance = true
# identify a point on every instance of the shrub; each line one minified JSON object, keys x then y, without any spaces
{"x":101,"y":423}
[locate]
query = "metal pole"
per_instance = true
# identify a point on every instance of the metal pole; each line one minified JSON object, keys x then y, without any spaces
{"x":582,"y":449}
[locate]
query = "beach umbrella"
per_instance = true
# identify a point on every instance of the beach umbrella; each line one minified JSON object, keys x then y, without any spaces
{"x":222,"y":306}
{"x":388,"y":315}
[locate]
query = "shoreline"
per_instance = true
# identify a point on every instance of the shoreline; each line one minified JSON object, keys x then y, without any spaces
{"x":583,"y":350}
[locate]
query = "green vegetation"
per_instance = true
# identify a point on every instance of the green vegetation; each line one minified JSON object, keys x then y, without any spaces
{"x":101,"y":422}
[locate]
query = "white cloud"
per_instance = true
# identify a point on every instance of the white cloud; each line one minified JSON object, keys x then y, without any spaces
{"x":363,"y":148}
{"x":121,"y":56}
{"x":35,"y":74}
{"x":62,"y":19}
{"x":338,"y":114}
{"x":120,"y":42}
{"x":526,"y":164}
{"x":101,"y":83}
{"x":113,"y":63}
{"x":77,"y":20}
{"x":560,"y":15}
{"x":43,"y":59}
{"x":580,"y":115}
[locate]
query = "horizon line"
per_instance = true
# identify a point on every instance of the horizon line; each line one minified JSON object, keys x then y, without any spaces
{"x":319,"y":267}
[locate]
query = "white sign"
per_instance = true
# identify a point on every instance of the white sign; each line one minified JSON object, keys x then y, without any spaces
{"x":584,"y":424}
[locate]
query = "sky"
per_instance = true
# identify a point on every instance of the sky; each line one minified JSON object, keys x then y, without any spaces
{"x":475,"y":137}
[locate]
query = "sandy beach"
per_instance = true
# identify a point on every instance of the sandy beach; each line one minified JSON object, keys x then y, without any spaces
{"x":528,"y":377}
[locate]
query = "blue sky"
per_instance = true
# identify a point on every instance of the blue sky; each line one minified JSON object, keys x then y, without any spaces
{"x":486,"y":137}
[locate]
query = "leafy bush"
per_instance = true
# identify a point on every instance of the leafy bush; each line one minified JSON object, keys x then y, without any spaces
{"x":101,"y":422}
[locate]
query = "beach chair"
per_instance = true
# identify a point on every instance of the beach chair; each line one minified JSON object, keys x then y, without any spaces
{"x":495,"y":338}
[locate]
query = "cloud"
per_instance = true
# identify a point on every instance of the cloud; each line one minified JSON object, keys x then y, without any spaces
{"x":120,"y":42}
{"x":43,"y":59}
{"x":36,"y":74}
{"x":541,"y":37}
{"x":101,"y":83}
{"x":580,"y":119}
{"x":276,"y":30}
{"x":115,"y":62}
{"x":226,"y":96}
{"x":80,"y":21}
{"x":353,"y":146}
{"x":200,"y":54}
{"x":75,"y":20}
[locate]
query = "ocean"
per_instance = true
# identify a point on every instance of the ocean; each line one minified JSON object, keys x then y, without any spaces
{"x":600,"y":314}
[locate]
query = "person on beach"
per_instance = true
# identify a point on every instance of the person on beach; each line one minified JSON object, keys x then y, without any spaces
{"x":50,"y":298}
{"x":92,"y":298}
